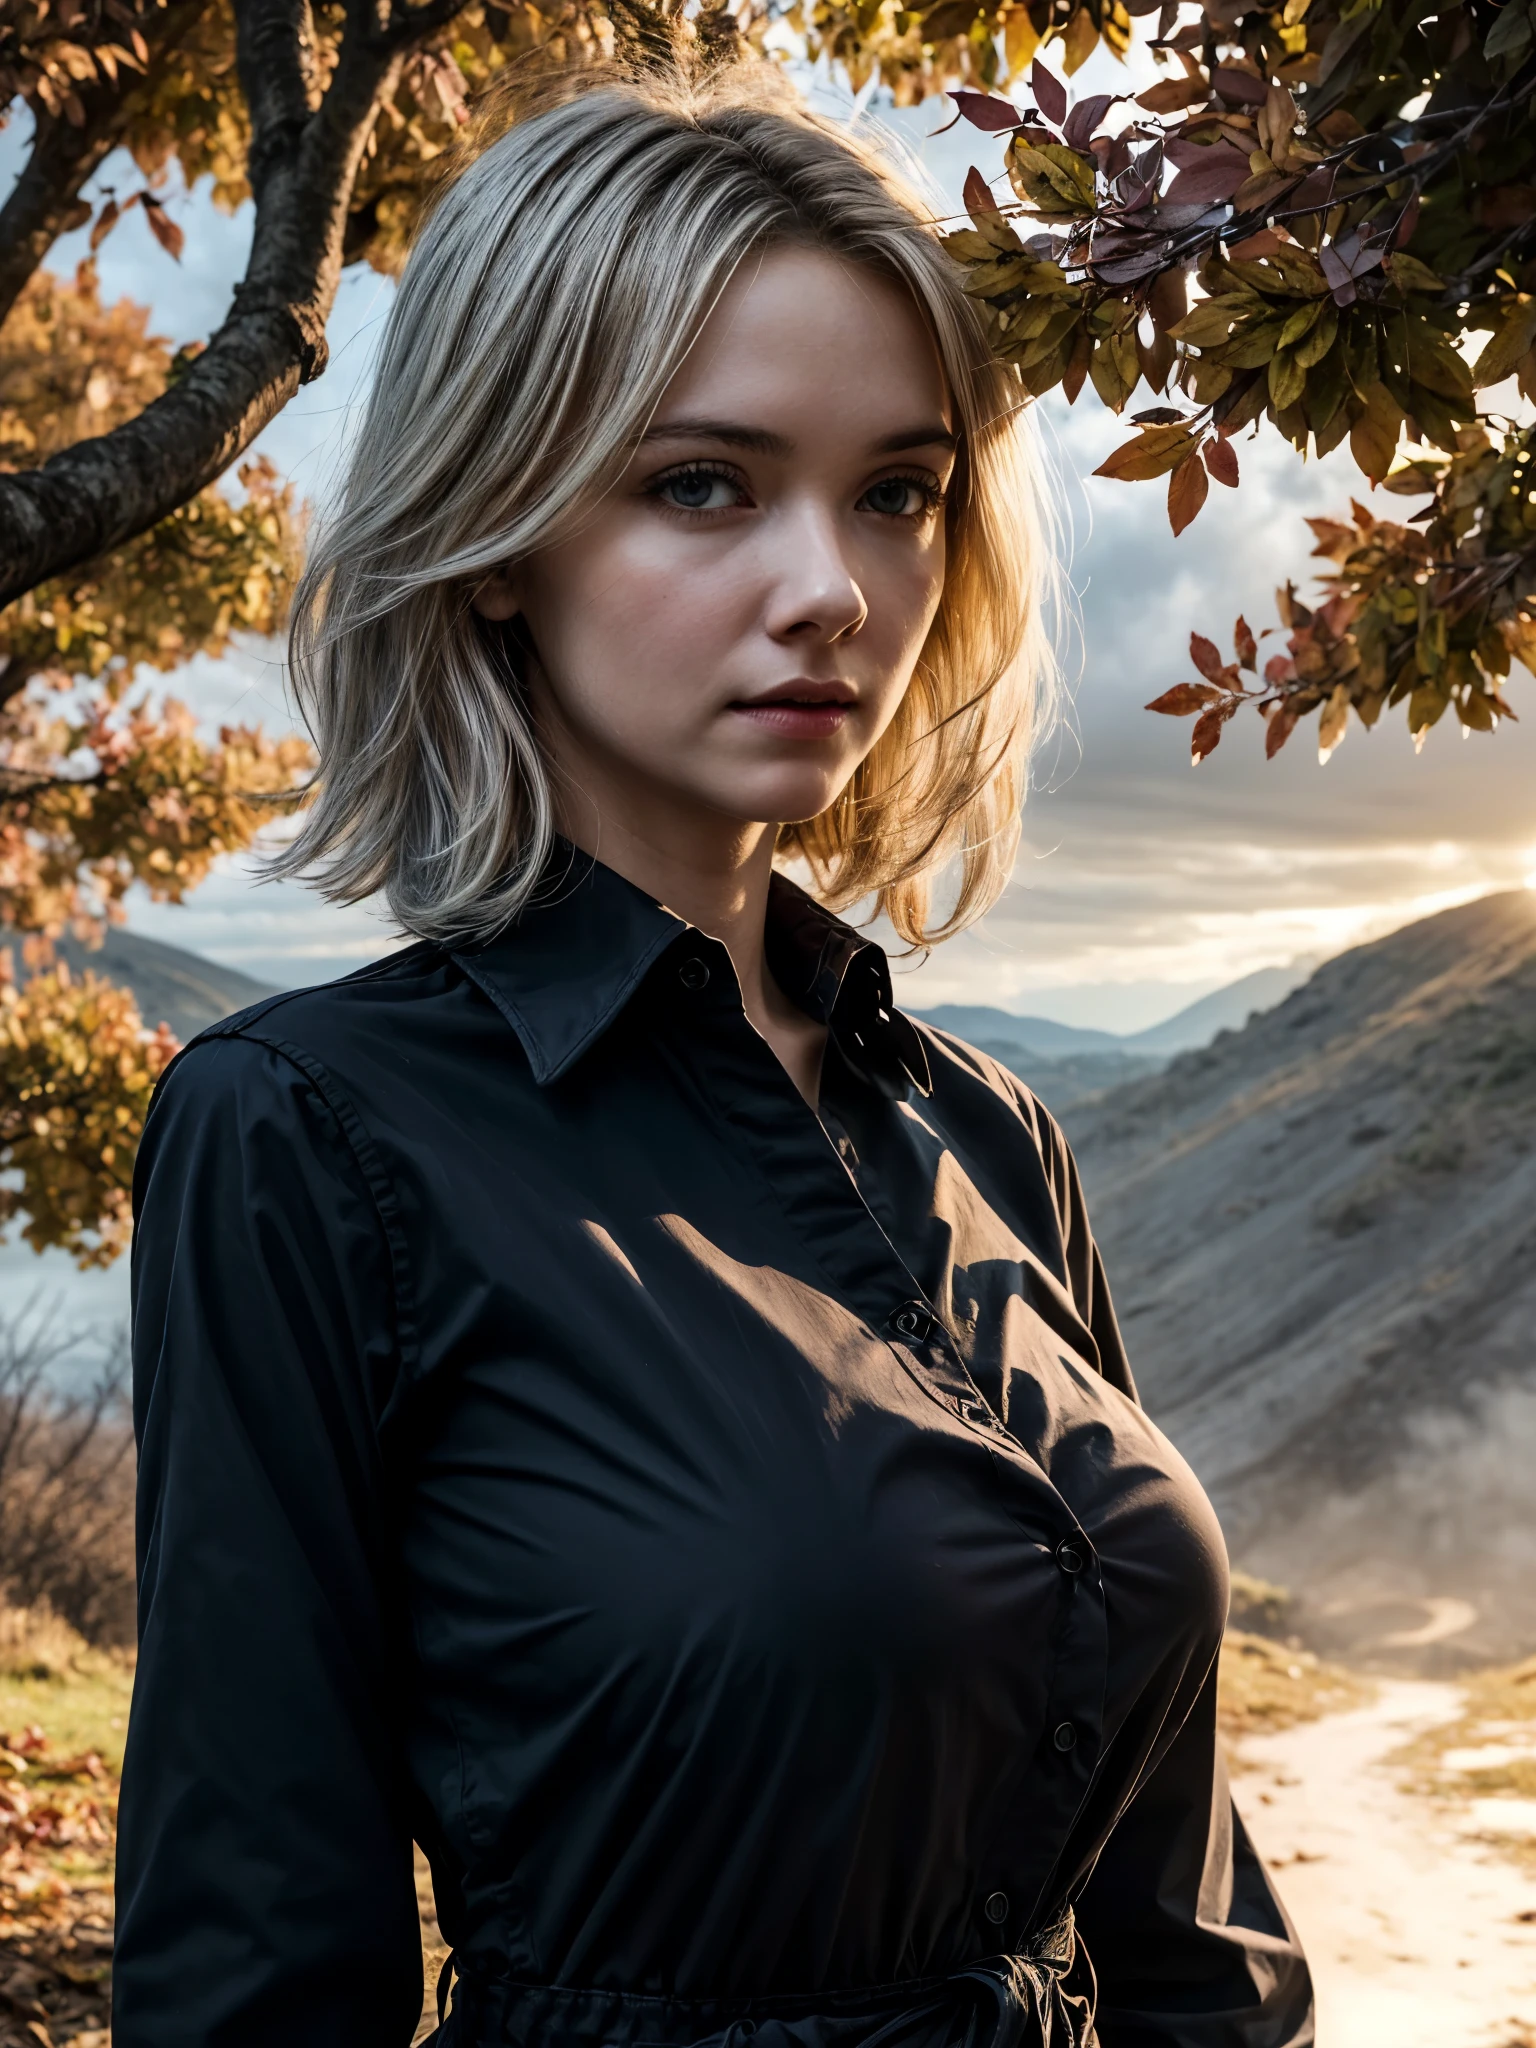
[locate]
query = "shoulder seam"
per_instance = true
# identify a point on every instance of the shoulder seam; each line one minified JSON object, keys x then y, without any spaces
{"x":366,"y":1158}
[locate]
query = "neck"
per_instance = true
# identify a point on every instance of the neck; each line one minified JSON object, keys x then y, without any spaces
{"x":713,"y":872}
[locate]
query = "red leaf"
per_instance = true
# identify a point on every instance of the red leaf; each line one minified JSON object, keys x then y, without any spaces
{"x":1204,"y":654}
{"x":1239,"y":86}
{"x":1184,"y":698}
{"x":1216,"y":175}
{"x":1206,"y":736}
{"x":1410,"y":220}
{"x":1187,"y":489}
{"x":1221,"y":461}
{"x":106,"y":221}
{"x":162,"y":227}
{"x":978,"y":194}
{"x":1279,"y":669}
{"x":1245,"y":644}
{"x":1282,"y":723}
{"x":1050,"y":94}
{"x":1085,"y":117}
{"x":986,"y":113}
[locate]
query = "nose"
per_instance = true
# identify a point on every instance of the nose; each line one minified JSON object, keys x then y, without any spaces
{"x":815,"y":593}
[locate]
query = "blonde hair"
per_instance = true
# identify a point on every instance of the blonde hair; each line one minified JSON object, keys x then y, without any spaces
{"x":553,"y":291}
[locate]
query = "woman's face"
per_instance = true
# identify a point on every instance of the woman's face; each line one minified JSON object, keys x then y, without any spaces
{"x":733,"y":630}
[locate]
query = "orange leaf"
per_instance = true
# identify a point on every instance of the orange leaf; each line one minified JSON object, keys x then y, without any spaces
{"x":1247,"y":647}
{"x":1221,"y":461}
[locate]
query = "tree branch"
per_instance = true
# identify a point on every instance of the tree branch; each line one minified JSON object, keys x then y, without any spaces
{"x":65,"y":156}
{"x":102,"y":492}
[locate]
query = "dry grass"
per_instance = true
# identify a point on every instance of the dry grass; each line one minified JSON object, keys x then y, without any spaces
{"x":1499,"y":1713}
{"x":1267,"y":1685}
{"x":63,"y":1714}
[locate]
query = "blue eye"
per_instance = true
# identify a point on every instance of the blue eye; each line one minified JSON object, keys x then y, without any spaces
{"x":699,"y":490}
{"x":902,"y":497}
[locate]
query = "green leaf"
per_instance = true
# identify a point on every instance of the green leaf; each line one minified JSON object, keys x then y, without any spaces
{"x":1507,"y":344}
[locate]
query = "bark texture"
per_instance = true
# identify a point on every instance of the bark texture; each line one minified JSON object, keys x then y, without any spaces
{"x":65,"y":154}
{"x":305,"y":153}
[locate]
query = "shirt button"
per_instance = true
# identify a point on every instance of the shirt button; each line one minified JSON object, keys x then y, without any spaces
{"x":977,"y":1412}
{"x":1069,"y":1555}
{"x":693,"y":974}
{"x":1065,"y":1737}
{"x":996,"y":1908}
{"x":911,"y":1320}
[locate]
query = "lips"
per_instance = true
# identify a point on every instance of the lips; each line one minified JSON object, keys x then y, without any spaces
{"x":800,"y":709}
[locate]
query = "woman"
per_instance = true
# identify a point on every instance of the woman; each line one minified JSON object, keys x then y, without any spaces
{"x":620,"y":1404}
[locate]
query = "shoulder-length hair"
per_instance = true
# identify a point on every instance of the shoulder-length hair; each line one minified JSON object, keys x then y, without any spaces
{"x":554,"y":289}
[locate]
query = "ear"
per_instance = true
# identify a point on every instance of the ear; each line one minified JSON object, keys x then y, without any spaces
{"x":498,"y":598}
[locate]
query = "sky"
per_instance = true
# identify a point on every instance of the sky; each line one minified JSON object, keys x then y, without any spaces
{"x":1141,"y":883}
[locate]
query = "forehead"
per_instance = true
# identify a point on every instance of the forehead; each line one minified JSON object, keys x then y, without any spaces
{"x":803,"y":331}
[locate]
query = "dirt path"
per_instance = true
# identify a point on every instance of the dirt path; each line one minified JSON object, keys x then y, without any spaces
{"x":1418,"y":1937}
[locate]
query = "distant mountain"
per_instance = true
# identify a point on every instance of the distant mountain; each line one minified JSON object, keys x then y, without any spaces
{"x":1066,"y":1063}
{"x":1224,"y":1009}
{"x":1321,"y":1232}
{"x":979,"y":1025}
{"x":169,"y":984}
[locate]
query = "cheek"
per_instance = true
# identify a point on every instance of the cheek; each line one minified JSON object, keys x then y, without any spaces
{"x":634,"y":606}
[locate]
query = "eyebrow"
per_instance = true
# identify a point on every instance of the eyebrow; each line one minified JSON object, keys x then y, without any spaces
{"x":759,"y":441}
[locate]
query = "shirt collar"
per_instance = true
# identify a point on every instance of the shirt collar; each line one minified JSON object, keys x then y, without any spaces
{"x":569,"y":964}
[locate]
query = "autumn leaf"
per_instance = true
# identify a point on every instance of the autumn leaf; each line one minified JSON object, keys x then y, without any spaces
{"x":1173,"y":95}
{"x":1154,"y":452}
{"x":978,"y":194}
{"x":165,"y":231}
{"x":1206,"y":656}
{"x":1373,"y":437}
{"x":1508,"y":343}
{"x":1184,"y":698}
{"x":1245,"y":645}
{"x":1187,"y":488}
{"x":1050,"y":94}
{"x":1221,"y":461}
{"x":1206,"y":737}
{"x":992,"y":116}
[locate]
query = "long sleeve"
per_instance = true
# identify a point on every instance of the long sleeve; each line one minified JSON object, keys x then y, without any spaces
{"x":1191,"y":1945}
{"x":265,"y":1890}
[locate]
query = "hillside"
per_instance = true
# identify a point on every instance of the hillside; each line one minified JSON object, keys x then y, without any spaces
{"x":169,"y":984}
{"x":1321,"y":1231}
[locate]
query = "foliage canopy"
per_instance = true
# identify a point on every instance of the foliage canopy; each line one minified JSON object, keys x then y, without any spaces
{"x":1320,"y":222}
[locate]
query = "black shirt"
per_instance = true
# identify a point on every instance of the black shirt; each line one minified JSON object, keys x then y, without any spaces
{"x":725,"y":1537}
